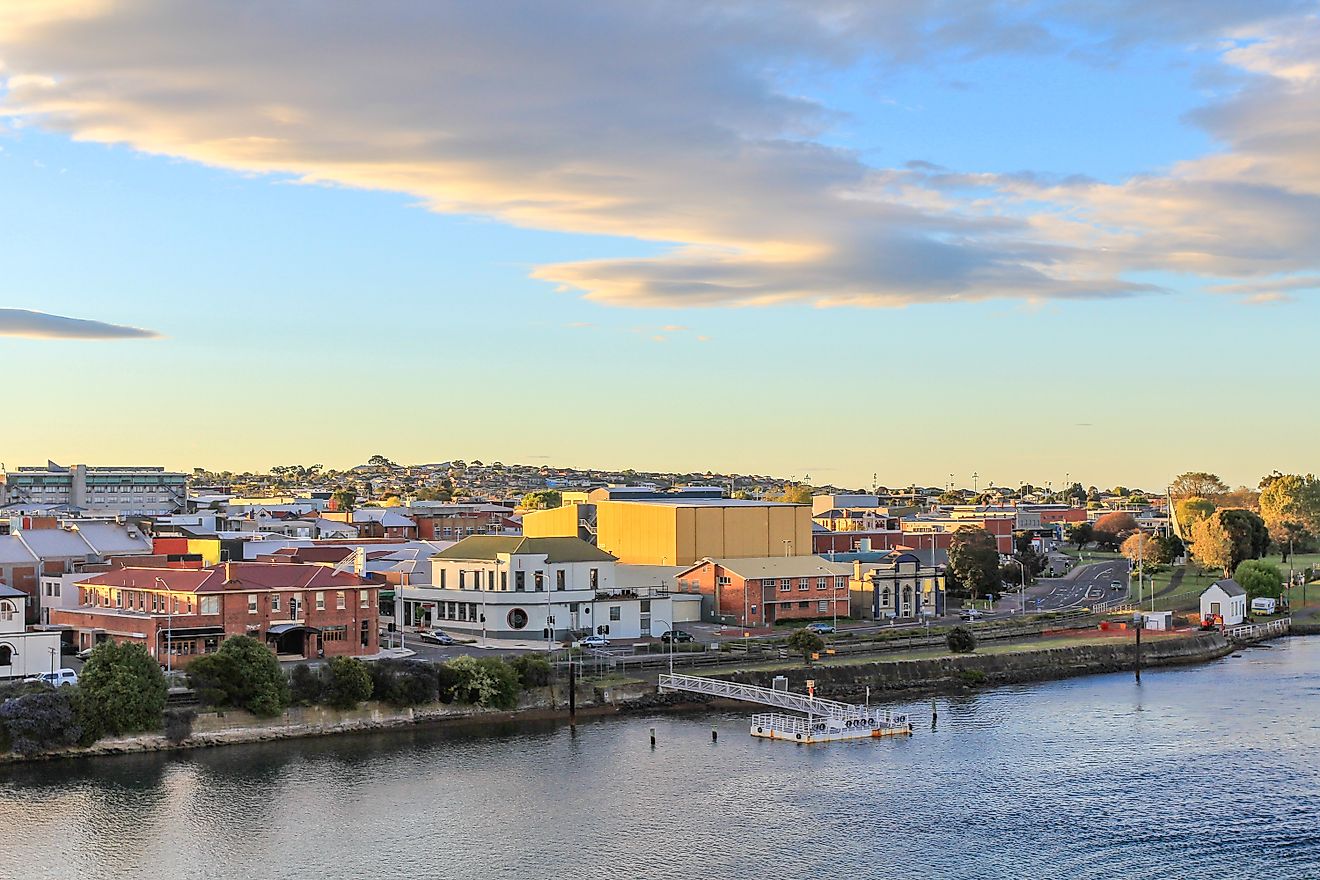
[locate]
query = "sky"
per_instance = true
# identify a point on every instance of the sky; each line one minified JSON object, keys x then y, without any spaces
{"x":831,"y":239}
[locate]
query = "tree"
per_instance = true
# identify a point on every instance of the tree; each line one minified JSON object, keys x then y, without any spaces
{"x":1290,"y":506}
{"x":953,"y":496}
{"x":1192,"y":510}
{"x":1170,"y":547}
{"x":545,"y":499}
{"x":380,"y":461}
{"x":1212,"y":545}
{"x":1143,"y":548}
{"x":179,"y":723}
{"x":343,"y":499}
{"x":961,"y":640}
{"x":1081,"y":534}
{"x":1112,"y":529}
{"x":796,"y":494}
{"x":806,"y":643}
{"x":304,"y":686}
{"x":121,"y":690}
{"x":974,"y":560}
{"x":347,"y":683}
{"x":1259,"y":578}
{"x":244,"y":674}
{"x":488,"y":682}
{"x":1198,"y":483}
{"x":1251,"y":538}
{"x":40,"y":721}
{"x":533,"y":671}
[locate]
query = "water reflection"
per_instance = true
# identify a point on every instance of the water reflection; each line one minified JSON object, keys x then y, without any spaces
{"x":1199,"y":772}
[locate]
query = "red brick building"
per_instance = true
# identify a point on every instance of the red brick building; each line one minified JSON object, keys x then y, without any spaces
{"x":763,"y":590}
{"x":298,"y":610}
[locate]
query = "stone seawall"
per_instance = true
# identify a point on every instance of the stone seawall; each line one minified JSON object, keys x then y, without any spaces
{"x":944,"y":674}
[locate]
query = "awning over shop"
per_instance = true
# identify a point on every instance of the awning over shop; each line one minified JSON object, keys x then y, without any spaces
{"x":187,"y":632}
{"x":280,"y":629}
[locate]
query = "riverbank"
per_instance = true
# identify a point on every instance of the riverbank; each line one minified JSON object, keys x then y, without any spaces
{"x":919,"y":676}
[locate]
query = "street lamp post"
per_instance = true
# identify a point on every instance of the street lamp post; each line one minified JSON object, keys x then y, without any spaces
{"x":1024,"y":582}
{"x":169,"y":627}
{"x":669,"y":626}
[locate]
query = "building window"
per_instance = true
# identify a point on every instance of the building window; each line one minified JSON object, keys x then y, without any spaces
{"x":821,"y":583}
{"x":334,"y":634}
{"x":804,"y":583}
{"x":252,"y":603}
{"x":462,"y":579}
{"x":595,"y":578}
{"x":785,"y":585}
{"x":538,"y":579}
{"x":804,"y":604}
{"x":519,"y":581}
{"x":823,"y":605}
{"x":559,"y":579}
{"x":320,"y":601}
{"x":210,"y":604}
{"x":274,"y":601}
{"x":364,"y":598}
{"x":616,"y":612}
{"x":884,"y":597}
{"x":339,"y":600}
{"x":723,"y":580}
{"x":7,"y":612}
{"x":841,"y":583}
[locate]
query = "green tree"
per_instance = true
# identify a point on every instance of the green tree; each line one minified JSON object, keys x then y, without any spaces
{"x":1259,"y":578}
{"x":1290,"y":506}
{"x":121,"y":690}
{"x":1197,"y":483}
{"x":244,"y":674}
{"x":304,"y":686}
{"x":1251,"y":538}
{"x":1081,"y":534}
{"x":961,"y":640}
{"x":533,"y":671}
{"x":545,"y":499}
{"x":952,"y":496}
{"x":1170,"y":548}
{"x":806,"y":643}
{"x":343,"y":499}
{"x":1192,"y":510}
{"x":794,"y":494}
{"x":347,"y":683}
{"x":974,"y":560}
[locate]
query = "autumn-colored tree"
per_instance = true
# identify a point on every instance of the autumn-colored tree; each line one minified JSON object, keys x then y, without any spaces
{"x":1143,"y":548}
{"x":796,"y":494}
{"x":1212,"y":546}
{"x":1116,"y":523}
{"x":1197,"y":483}
{"x":1228,"y":538}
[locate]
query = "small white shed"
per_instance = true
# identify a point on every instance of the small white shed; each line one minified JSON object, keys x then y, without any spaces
{"x":1224,"y":602}
{"x":1161,"y":620}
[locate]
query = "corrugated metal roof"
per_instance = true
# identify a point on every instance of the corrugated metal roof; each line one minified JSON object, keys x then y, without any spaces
{"x":782,"y":566}
{"x":490,"y":547}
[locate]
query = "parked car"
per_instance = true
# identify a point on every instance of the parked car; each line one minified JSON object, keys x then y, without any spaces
{"x":84,"y":654}
{"x":821,"y":628}
{"x":1115,"y":585}
{"x":676,"y":635}
{"x":595,"y":642}
{"x":436,"y":637}
{"x":971,"y":614}
{"x":58,"y":678}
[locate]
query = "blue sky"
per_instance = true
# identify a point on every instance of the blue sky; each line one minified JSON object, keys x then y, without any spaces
{"x":706,"y":252}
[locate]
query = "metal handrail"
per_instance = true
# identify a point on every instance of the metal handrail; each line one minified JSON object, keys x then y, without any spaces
{"x":751,"y":693}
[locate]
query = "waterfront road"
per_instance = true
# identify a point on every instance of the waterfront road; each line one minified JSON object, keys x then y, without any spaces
{"x":1084,"y":585}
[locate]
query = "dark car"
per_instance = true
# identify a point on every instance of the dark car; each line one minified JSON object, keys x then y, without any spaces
{"x":436,"y":637}
{"x":676,"y":636}
{"x":821,"y":628}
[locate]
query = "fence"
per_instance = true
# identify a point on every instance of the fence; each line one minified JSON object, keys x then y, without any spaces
{"x":1253,"y":632}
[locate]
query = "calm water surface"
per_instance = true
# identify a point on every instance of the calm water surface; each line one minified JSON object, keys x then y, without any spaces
{"x":1204,"y":772}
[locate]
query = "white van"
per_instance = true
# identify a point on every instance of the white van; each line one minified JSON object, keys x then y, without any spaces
{"x":1263,"y":605}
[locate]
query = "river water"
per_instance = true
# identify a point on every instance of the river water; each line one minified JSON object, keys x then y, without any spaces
{"x":1201,"y":772}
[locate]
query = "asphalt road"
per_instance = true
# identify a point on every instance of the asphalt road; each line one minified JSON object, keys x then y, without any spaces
{"x":1086,"y":585}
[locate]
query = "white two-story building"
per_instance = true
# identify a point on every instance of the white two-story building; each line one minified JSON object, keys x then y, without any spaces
{"x":535,"y":589}
{"x":23,"y":652}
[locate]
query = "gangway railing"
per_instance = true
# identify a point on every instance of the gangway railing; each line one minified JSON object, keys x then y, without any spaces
{"x":750,"y":693}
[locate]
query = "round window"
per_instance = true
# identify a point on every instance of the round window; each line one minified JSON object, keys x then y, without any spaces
{"x":517,"y":619}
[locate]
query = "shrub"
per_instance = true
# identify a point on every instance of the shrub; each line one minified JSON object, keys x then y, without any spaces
{"x":806,"y":643}
{"x":347,"y":683}
{"x":179,"y":723}
{"x":404,"y":683}
{"x":304,"y":686}
{"x":488,"y":682}
{"x":1259,"y":579}
{"x":447,"y":680}
{"x":533,"y":671}
{"x":961,"y":640}
{"x":243,"y":674}
{"x":121,"y":690}
{"x":40,"y":721}
{"x":972,"y":677}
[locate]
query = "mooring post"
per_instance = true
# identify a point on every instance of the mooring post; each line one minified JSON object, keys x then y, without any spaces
{"x":1137,"y":622}
{"x":572,"y":691}
{"x":652,"y":737}
{"x":714,"y":735}
{"x":934,"y":713}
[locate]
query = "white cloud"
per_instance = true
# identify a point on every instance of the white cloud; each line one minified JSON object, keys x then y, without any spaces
{"x":40,"y":325}
{"x":663,"y":121}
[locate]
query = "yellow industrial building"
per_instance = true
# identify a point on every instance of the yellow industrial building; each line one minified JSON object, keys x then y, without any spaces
{"x":680,"y":532}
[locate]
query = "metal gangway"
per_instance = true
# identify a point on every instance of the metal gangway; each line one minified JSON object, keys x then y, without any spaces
{"x":812,"y":706}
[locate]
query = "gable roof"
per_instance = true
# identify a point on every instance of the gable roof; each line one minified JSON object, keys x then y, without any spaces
{"x":490,"y":547}
{"x":1229,"y":586}
{"x":242,"y":576}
